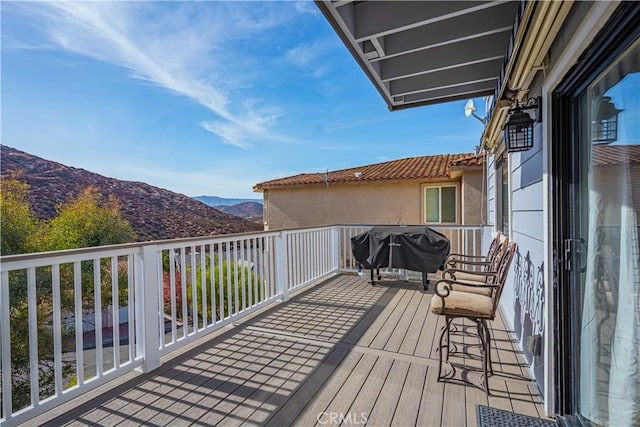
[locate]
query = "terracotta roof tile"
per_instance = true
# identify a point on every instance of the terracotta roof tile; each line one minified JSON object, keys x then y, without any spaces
{"x":614,"y":154}
{"x":469,"y":160}
{"x":423,"y":167}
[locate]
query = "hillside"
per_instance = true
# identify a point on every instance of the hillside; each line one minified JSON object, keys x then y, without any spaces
{"x":154,"y":213}
{"x":216,"y":201}
{"x":248,"y":210}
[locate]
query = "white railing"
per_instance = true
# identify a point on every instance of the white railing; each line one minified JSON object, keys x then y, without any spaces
{"x":311,"y":255}
{"x":207,"y":283}
{"x":43,"y":302}
{"x":72,"y":320}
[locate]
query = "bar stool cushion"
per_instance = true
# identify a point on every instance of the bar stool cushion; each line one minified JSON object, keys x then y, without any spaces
{"x":463,"y":304}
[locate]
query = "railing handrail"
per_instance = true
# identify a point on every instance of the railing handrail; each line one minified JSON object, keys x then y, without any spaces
{"x":94,"y":249}
{"x":17,"y":262}
{"x":460,"y":226}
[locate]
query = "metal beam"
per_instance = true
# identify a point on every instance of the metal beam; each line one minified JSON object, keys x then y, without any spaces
{"x":338,"y":3}
{"x":381,"y":18}
{"x":425,"y":52}
{"x":483,"y":71}
{"x":445,"y":57}
{"x":336,"y":20}
{"x":474,"y":90}
{"x":378,"y":43}
{"x":478,"y":24}
{"x":481,"y":83}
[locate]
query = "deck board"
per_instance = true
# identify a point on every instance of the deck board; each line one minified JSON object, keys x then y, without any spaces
{"x":349,"y":389}
{"x":407,"y":411}
{"x":321,"y":401}
{"x":291,"y":406}
{"x":343,"y":347}
{"x":431,"y":401}
{"x":393,"y":323}
{"x":367,"y":397}
{"x":410,"y":341}
{"x":387,"y":403}
{"x":399,"y":332}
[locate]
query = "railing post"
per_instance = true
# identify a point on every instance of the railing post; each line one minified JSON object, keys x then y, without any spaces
{"x":486,"y":238}
{"x":149,"y":310}
{"x":335,"y":249}
{"x":5,"y":349}
{"x":281,"y":266}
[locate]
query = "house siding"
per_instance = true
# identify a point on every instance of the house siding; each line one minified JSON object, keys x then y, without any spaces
{"x":527,"y":269}
{"x":527,"y":185}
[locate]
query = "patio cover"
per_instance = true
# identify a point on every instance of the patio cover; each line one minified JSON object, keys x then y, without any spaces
{"x":427,"y":52}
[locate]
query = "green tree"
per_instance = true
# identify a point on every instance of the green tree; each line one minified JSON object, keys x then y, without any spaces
{"x":17,"y":222}
{"x":232,"y":281}
{"x":85,"y":221}
{"x":232,"y":274}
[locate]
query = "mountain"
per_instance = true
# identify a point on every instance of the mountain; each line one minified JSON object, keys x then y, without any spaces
{"x":154,"y":213}
{"x":216,"y":201}
{"x":248,"y":210}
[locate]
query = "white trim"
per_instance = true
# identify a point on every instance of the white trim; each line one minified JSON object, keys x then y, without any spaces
{"x":594,"y":20}
{"x":462,"y":209}
{"x":499,"y":194}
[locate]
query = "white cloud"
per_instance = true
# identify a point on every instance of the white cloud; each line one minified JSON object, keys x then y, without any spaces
{"x":309,"y":55}
{"x":185,"y":48}
{"x":306,"y":6}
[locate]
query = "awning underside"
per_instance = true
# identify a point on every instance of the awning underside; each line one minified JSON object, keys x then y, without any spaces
{"x":426,"y":52}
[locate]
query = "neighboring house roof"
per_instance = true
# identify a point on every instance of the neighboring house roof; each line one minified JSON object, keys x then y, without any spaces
{"x":413,"y":168}
{"x":615,"y":154}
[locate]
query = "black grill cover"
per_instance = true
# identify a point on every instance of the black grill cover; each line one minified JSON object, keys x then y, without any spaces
{"x":417,"y":248}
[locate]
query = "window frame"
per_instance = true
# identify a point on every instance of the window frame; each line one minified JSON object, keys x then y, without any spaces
{"x":502,"y":168}
{"x":439,"y":186}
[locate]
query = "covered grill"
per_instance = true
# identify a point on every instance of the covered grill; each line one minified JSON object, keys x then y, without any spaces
{"x":416,"y":248}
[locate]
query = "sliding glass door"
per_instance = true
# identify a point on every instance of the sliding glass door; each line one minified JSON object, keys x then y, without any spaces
{"x":606,"y":241}
{"x":599,"y":252}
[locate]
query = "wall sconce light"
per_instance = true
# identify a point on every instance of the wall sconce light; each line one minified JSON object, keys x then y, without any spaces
{"x":518,"y":130}
{"x":604,"y":128}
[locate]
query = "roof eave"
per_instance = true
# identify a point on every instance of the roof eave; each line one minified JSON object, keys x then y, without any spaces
{"x":345,"y":40}
{"x":359,"y":182}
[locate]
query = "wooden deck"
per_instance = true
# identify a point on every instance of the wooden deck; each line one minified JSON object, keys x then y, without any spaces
{"x":340,"y":351}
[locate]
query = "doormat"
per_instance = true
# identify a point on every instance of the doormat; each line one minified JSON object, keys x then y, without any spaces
{"x":492,"y":417}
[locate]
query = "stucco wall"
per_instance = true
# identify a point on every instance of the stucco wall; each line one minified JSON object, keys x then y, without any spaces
{"x":491,"y":190}
{"x":365,"y":203}
{"x":389,"y":203}
{"x":474,"y":198}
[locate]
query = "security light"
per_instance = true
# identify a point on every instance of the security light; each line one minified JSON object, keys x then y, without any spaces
{"x":518,"y":131}
{"x":604,"y":128}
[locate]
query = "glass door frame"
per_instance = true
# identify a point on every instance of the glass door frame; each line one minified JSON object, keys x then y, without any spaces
{"x":618,"y":34}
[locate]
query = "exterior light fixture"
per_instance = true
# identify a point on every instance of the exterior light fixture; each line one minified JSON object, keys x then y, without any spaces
{"x":604,"y":128}
{"x":518,"y":130}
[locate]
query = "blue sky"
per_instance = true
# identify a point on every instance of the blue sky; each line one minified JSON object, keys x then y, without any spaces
{"x":202,"y":97}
